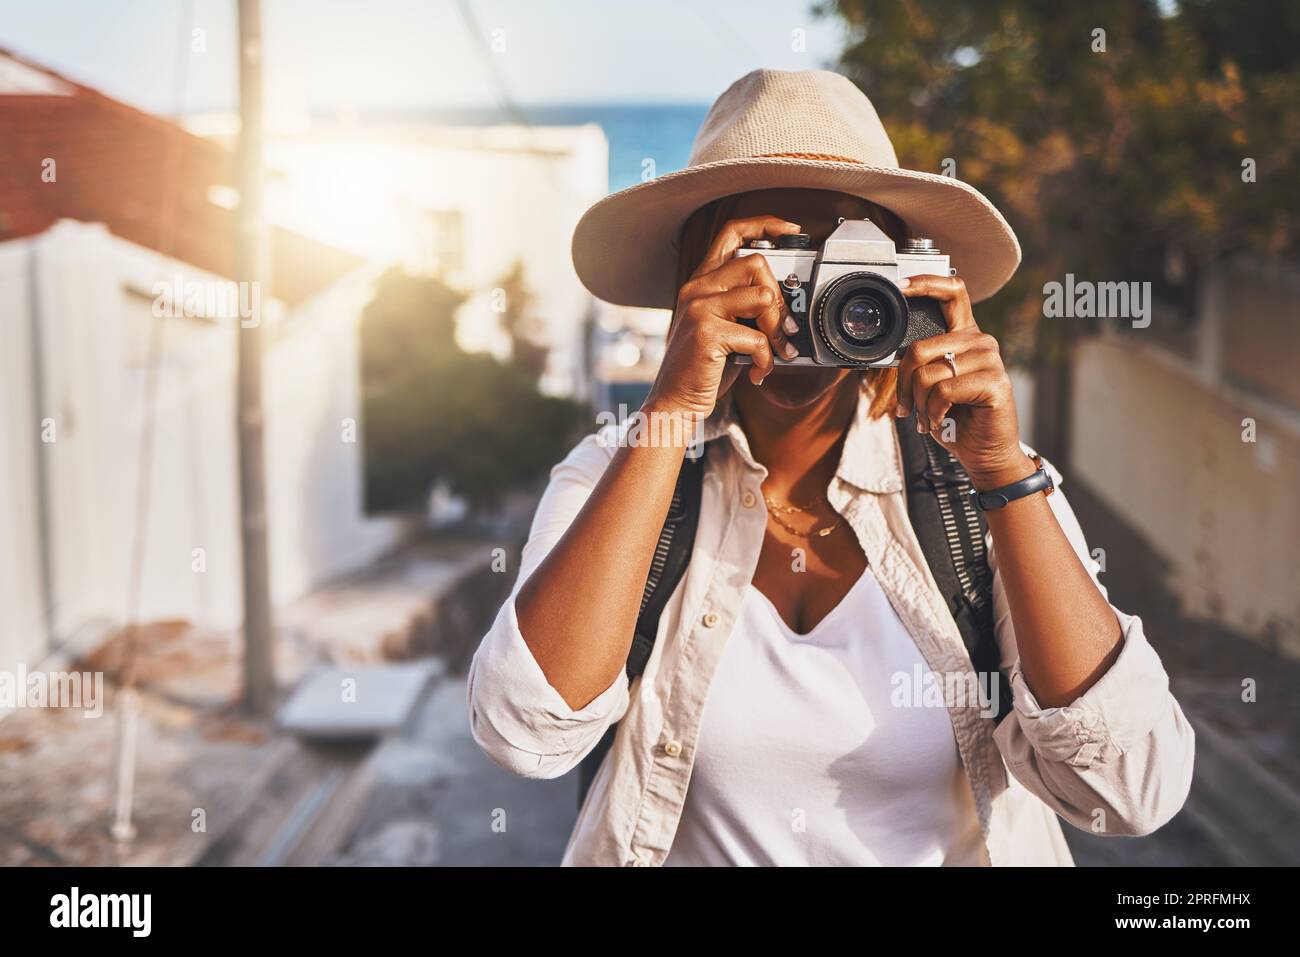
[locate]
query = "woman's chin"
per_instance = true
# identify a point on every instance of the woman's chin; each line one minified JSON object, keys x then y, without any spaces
{"x":793,"y":387}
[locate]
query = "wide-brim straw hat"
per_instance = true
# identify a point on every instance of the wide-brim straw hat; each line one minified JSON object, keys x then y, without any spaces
{"x":774,"y":129}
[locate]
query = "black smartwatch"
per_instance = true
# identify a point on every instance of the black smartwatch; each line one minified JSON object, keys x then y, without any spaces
{"x":996,"y":498}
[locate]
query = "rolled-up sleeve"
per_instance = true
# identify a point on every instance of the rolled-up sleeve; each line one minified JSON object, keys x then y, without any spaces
{"x":516,"y":716}
{"x":1118,"y":759}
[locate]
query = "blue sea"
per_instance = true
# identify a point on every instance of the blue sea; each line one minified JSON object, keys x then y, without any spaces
{"x":635,"y":133}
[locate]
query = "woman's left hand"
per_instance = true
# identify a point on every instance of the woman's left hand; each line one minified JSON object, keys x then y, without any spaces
{"x":984,"y":432}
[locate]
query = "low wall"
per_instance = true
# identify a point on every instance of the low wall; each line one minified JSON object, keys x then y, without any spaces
{"x":1166,"y":452}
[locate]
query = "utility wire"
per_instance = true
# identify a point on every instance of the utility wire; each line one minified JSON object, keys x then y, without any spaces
{"x":505,"y":101}
{"x":128,"y":699}
{"x":725,"y":29}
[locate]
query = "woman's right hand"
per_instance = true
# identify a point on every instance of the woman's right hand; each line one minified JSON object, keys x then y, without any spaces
{"x":704,"y":331}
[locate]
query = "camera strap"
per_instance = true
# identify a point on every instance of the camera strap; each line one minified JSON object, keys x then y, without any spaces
{"x":951,"y":531}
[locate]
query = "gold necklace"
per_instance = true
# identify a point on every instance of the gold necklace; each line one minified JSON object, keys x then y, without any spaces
{"x":775,"y":510}
{"x":792,"y":509}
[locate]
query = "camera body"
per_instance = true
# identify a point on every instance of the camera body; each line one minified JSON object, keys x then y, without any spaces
{"x":845,"y":296}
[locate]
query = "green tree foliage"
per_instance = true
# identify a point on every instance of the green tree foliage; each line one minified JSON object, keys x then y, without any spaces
{"x":1122,"y":164}
{"x":434,"y":411}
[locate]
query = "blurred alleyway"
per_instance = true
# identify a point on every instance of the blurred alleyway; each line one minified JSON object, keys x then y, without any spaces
{"x":426,"y":795}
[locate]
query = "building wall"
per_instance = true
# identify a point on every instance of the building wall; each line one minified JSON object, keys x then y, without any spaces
{"x":1164,"y":449}
{"x":465,"y":202}
{"x":95,"y":325}
{"x":22,"y":606}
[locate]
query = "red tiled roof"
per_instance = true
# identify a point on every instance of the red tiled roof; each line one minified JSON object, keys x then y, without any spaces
{"x":147,"y":179}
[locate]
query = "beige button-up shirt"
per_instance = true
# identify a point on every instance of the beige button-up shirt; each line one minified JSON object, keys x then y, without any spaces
{"x":1116,"y":761}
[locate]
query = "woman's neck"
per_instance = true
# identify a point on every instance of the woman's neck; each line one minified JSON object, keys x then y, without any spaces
{"x":801,"y":446}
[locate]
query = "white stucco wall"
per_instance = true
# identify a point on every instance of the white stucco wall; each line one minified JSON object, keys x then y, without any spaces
{"x":95,"y":312}
{"x":22,"y":609}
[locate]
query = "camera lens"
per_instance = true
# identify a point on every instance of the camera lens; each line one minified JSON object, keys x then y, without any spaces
{"x":861,"y":317}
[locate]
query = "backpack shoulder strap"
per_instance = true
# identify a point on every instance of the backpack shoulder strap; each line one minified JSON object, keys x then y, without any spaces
{"x":951,"y":531}
{"x":671,"y":556}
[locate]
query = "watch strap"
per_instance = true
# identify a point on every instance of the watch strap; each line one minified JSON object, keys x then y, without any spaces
{"x":995,"y":498}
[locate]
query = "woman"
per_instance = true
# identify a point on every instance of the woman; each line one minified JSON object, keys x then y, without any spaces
{"x":768,"y":727}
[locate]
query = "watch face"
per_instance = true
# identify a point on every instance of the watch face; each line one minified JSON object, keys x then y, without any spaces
{"x":1038,"y":464}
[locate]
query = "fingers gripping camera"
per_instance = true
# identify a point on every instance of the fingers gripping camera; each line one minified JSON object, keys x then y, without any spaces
{"x":846,"y":299}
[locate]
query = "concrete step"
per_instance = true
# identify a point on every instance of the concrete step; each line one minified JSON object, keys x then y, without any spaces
{"x":293,"y":810}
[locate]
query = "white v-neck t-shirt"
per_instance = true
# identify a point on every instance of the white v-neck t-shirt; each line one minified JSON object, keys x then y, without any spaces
{"x":802,"y":759}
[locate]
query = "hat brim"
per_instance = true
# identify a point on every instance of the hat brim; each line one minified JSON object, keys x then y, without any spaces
{"x":624,"y":247}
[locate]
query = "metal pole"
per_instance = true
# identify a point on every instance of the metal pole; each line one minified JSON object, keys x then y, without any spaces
{"x":251,"y":262}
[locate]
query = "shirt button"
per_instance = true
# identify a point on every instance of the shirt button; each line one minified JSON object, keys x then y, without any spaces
{"x":640,"y":861}
{"x":710,"y":620}
{"x":748,"y":499}
{"x":673,"y":748}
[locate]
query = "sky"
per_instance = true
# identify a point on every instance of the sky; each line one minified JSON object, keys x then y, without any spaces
{"x":329,"y":55}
